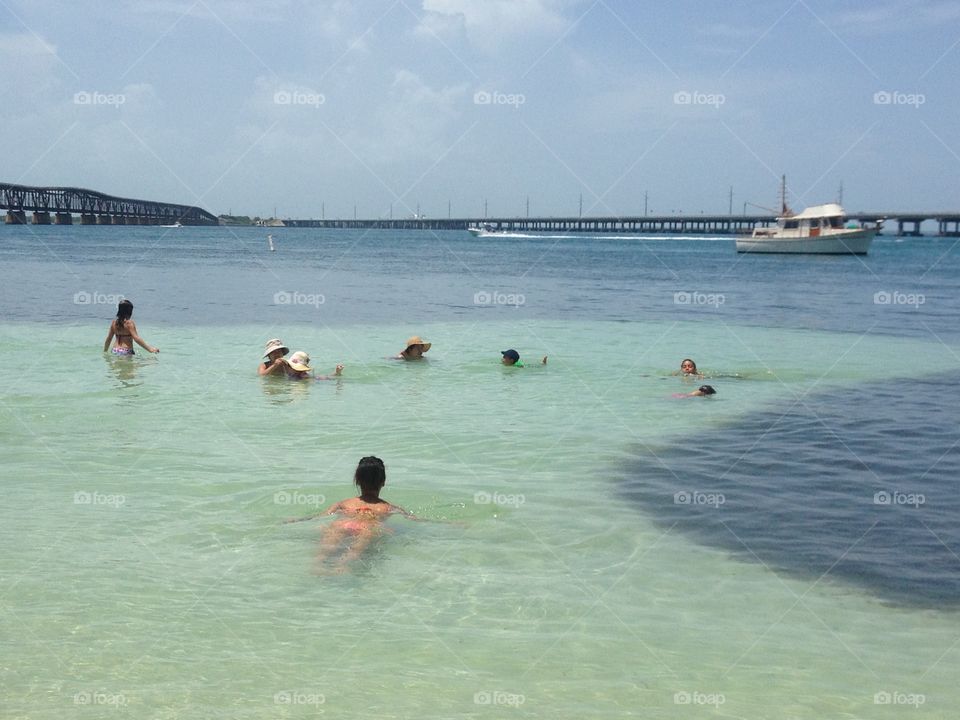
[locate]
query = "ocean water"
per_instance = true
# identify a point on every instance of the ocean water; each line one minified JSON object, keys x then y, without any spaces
{"x":595,"y":546}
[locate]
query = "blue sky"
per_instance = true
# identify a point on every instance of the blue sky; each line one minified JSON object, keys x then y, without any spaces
{"x":303,"y":107}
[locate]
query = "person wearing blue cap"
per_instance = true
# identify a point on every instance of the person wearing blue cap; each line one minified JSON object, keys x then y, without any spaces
{"x":512,"y":358}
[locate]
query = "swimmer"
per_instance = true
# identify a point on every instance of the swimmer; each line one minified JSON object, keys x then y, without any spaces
{"x":273,"y":360}
{"x":125,"y":331}
{"x":511,"y":358}
{"x":688,"y":369}
{"x":298,"y":368}
{"x":702,"y":391}
{"x":361,"y":520}
{"x":416,"y":347}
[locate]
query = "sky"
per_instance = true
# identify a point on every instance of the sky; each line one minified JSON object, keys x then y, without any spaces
{"x":331,"y":107}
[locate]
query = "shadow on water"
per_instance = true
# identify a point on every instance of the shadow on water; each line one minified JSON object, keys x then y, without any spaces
{"x":854,"y":486}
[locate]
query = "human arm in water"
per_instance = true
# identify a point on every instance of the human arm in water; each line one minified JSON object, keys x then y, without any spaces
{"x":110,"y":334}
{"x":336,"y":507}
{"x":132,"y":328}
{"x":277,"y":366}
{"x":336,"y":374}
{"x":329,"y":511}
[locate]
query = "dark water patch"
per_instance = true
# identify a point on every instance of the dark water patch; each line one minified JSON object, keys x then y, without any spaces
{"x":856,"y":486}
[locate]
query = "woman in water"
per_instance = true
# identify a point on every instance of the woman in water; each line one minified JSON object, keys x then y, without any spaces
{"x":124,"y":329}
{"x":273,"y":360}
{"x":416,"y":347}
{"x":361,"y":518}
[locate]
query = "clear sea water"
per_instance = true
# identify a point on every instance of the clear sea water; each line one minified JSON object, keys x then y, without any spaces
{"x":600,"y":549}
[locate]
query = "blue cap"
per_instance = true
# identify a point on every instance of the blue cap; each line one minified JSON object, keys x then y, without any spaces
{"x":512,"y":354}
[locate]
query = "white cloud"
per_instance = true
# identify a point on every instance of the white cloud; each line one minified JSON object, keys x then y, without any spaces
{"x":415,"y":118}
{"x":489,"y":23}
{"x":896,"y":16}
{"x":31,"y":71}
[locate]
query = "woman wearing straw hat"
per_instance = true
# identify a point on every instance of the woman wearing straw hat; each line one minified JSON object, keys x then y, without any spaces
{"x":273,"y":360}
{"x":299,"y":368}
{"x":416,"y":347}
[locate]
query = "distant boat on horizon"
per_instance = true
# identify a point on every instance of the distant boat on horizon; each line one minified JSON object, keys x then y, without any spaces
{"x":270,"y":243}
{"x":483,"y":230}
{"x":177,"y":224}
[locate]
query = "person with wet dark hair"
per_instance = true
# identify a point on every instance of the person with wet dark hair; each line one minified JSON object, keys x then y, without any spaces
{"x":688,"y":369}
{"x":702,"y":391}
{"x":362,"y":517}
{"x":124,"y":329}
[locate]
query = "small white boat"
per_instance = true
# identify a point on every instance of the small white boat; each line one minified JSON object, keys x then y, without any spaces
{"x":270,"y":243}
{"x":819,"y":230}
{"x":177,"y":224}
{"x":484,"y":230}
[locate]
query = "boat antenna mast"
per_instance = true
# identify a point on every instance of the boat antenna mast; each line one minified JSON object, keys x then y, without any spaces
{"x":785,"y":210}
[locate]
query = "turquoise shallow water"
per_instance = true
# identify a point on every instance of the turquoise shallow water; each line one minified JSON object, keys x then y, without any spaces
{"x":147,"y":569}
{"x":146,"y":564}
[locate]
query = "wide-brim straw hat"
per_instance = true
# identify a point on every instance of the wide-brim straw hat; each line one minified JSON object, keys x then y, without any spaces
{"x":275,"y":344}
{"x":417,"y":340}
{"x":299,"y":361}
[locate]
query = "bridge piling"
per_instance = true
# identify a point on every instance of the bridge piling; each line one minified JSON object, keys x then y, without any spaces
{"x":41,"y":218}
{"x":16,"y":217}
{"x":63,"y":219}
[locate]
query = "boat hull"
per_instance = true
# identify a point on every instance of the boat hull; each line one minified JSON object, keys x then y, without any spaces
{"x":853,"y":242}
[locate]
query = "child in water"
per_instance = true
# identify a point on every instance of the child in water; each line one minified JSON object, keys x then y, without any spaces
{"x":511,"y":358}
{"x":702,"y":391}
{"x":124,"y":329}
{"x":688,"y":369}
{"x":361,"y":520}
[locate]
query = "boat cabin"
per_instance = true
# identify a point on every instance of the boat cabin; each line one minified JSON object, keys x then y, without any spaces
{"x":811,"y":222}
